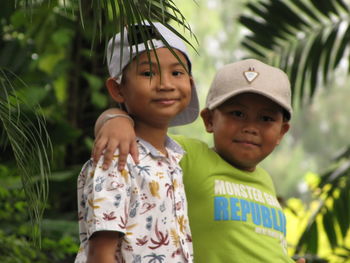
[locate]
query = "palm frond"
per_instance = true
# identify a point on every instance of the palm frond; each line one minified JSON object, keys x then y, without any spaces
{"x":333,"y":195}
{"x":123,"y":13}
{"x":30,"y":145}
{"x":308,"y":39}
{"x":111,"y":16}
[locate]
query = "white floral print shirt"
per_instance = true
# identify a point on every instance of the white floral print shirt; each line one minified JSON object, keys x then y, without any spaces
{"x":145,"y":202}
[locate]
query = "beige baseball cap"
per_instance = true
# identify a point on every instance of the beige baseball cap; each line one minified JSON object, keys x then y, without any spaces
{"x":252,"y":76}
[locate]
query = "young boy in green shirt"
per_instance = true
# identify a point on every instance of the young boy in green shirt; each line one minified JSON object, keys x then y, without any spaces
{"x":233,"y":210}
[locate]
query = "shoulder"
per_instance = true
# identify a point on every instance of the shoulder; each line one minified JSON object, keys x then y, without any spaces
{"x":261,"y":172}
{"x":91,"y":171}
{"x":265,"y":178}
{"x":189,"y":143}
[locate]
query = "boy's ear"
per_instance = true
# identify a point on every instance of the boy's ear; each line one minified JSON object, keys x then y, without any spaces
{"x":207,"y":116}
{"x":284,"y":129}
{"x":114,"y":90}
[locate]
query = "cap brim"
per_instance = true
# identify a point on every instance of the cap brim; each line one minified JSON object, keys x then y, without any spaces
{"x":234,"y":93}
{"x":190,"y":113}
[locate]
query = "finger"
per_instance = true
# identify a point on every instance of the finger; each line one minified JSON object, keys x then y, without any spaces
{"x":123,"y":154}
{"x":134,"y":151}
{"x":99,"y":146}
{"x":108,"y":154}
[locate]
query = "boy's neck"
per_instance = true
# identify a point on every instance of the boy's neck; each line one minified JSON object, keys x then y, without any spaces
{"x":156,"y":136}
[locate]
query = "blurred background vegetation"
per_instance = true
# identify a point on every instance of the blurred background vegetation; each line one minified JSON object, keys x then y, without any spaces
{"x":52,"y":73}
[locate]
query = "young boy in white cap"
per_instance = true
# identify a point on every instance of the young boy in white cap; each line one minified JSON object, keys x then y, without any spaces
{"x":233,"y":210}
{"x":139,"y":214}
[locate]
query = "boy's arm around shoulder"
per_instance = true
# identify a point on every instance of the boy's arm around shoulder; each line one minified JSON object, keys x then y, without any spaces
{"x":114,"y":133}
{"x":103,"y":246}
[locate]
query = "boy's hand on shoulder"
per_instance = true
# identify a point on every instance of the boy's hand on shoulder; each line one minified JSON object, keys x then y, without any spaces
{"x":116,"y":133}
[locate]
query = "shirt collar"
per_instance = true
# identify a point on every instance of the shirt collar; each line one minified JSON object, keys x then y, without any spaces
{"x":170,"y":144}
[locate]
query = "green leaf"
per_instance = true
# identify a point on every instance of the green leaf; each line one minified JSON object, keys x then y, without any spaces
{"x":19,"y":18}
{"x":99,"y":99}
{"x":304,"y":8}
{"x":329,"y":225}
{"x":341,"y":208}
{"x":48,"y":62}
{"x":31,"y":147}
{"x":314,"y":58}
{"x":94,"y":82}
{"x":62,"y":37}
{"x":329,"y":51}
{"x":344,"y":44}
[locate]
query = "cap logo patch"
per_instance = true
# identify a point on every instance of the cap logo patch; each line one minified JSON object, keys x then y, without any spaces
{"x":250,"y":75}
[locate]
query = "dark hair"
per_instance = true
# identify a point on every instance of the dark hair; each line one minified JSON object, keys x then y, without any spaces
{"x":286,"y":115}
{"x":141,"y":32}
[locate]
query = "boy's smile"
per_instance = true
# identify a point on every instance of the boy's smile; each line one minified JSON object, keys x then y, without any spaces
{"x":246,"y":129}
{"x":167,"y":101}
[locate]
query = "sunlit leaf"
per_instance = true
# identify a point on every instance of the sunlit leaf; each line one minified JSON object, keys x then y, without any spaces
{"x":329,"y":224}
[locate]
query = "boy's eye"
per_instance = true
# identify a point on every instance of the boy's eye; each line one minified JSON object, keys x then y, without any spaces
{"x":147,"y":73}
{"x":177,"y":73}
{"x":237,"y":113}
{"x":267,"y":118}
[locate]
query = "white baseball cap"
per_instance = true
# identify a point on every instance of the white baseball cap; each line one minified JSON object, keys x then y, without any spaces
{"x":118,"y":59}
{"x":252,"y":76}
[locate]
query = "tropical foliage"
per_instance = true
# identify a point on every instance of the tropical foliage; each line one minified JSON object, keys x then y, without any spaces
{"x":24,"y":129}
{"x":308,"y":39}
{"x":331,"y":214}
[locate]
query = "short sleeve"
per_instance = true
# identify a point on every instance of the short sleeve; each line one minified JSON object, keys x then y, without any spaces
{"x":107,"y":197}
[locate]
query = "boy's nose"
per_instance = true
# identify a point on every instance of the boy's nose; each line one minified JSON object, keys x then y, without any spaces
{"x":165,"y":84}
{"x":250,"y":128}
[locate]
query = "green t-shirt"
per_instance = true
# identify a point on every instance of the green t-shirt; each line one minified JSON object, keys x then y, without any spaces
{"x":234,"y":215}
